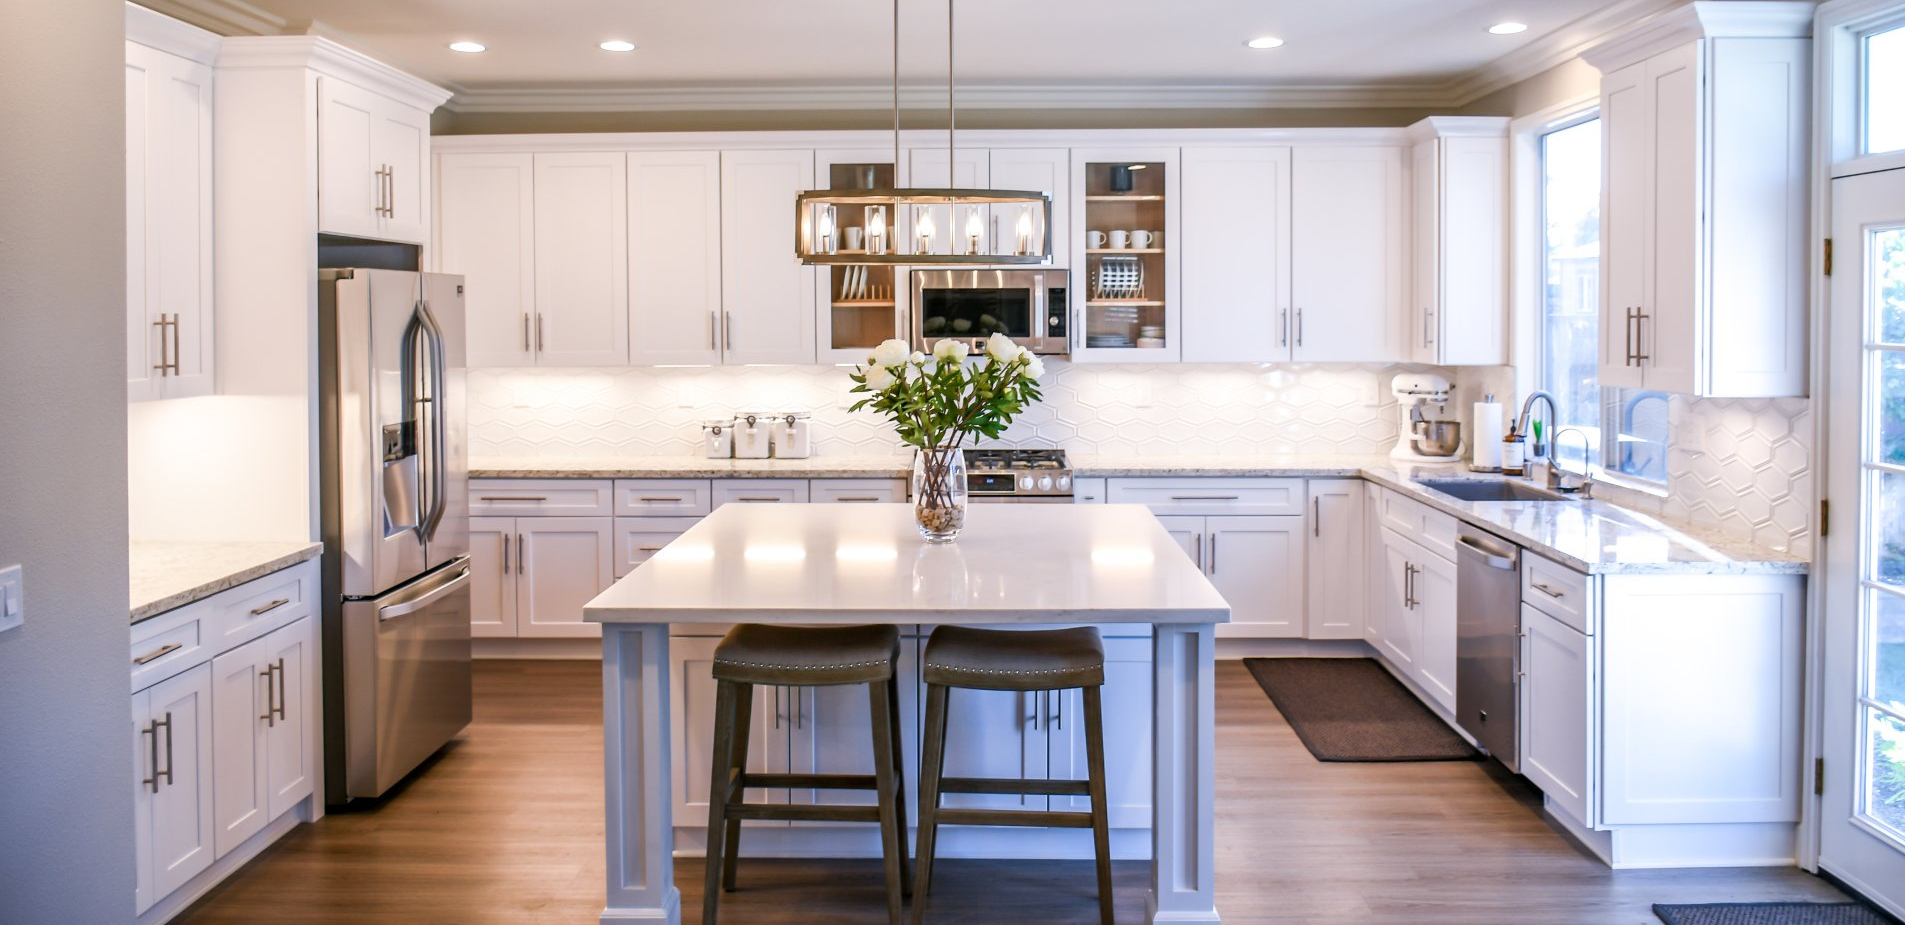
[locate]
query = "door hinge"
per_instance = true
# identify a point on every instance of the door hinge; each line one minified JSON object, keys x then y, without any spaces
{"x":1828,"y":257}
{"x":1819,"y":777}
{"x":1825,"y":517}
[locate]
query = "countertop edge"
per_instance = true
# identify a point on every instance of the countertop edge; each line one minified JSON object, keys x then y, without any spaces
{"x":203,"y":590}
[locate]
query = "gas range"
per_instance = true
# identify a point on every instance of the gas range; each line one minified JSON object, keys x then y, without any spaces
{"x":1027,"y":474}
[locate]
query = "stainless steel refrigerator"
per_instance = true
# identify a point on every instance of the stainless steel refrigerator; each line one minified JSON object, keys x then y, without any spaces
{"x":395,"y":512}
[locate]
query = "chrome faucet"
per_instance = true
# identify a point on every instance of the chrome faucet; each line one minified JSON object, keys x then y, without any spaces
{"x":1554,"y":417}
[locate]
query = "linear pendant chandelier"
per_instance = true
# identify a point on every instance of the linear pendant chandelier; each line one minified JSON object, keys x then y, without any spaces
{"x":902,"y":225}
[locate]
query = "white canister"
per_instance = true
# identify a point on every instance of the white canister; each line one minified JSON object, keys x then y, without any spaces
{"x":752,"y":434}
{"x":717,"y":438}
{"x":793,"y":435}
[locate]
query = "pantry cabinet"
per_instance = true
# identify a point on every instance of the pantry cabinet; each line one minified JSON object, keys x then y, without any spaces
{"x":373,"y":164}
{"x":1705,"y":119}
{"x":1459,"y":178}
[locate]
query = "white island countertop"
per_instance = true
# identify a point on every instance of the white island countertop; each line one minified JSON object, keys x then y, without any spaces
{"x":866,"y":563}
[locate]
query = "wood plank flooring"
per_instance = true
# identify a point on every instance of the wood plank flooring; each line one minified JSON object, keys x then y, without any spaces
{"x":506,"y":827}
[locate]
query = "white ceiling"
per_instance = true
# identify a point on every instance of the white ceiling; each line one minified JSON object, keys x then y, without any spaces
{"x":551,"y":44}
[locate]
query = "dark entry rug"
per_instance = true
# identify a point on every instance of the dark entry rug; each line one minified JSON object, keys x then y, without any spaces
{"x":1770,"y":914}
{"x":1350,"y":709}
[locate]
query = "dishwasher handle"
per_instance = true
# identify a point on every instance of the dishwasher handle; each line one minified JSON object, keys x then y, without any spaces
{"x":1494,"y":558}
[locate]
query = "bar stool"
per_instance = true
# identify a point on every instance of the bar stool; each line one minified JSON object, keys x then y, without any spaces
{"x":1012,"y":660}
{"x":799,"y":656}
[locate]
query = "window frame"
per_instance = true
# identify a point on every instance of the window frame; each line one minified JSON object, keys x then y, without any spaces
{"x":1541,"y":331}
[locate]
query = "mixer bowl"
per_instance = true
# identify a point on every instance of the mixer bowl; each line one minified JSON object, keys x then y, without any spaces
{"x":1437,"y":438}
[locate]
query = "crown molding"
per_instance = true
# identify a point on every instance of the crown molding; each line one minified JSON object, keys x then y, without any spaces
{"x":1789,"y":19}
{"x":1555,"y":48}
{"x":875,"y":141}
{"x":1458,"y":127}
{"x":156,"y":30}
{"x":328,"y":57}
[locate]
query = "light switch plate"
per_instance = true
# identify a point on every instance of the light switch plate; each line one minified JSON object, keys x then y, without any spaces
{"x":12,"y":598}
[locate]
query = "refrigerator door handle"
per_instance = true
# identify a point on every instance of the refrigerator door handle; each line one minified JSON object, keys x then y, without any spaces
{"x":415,"y":604}
{"x":414,"y":399}
{"x":435,"y":397}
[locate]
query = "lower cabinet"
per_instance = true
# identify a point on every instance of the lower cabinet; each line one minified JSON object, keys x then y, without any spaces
{"x":533,"y":574}
{"x":1255,"y":562}
{"x":637,"y":539}
{"x":1557,"y":711}
{"x":173,"y":764}
{"x":1336,"y":595}
{"x":261,"y":741}
{"x":1413,"y":625}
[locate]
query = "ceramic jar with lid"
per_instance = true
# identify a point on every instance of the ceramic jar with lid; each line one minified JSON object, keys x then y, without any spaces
{"x":753,"y":434}
{"x":717,"y":438}
{"x":793,"y":435}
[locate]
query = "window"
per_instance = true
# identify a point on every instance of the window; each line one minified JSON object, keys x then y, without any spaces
{"x":1625,"y":429}
{"x":1884,"y":91}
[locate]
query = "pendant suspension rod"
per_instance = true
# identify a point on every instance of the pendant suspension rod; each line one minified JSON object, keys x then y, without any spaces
{"x":896,"y":95}
{"x":952,"y":114}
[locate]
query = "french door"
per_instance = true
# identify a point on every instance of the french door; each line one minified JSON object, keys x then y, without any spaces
{"x":1862,"y":838}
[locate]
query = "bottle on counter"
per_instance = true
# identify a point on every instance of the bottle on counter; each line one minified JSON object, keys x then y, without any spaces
{"x":1514,"y":454}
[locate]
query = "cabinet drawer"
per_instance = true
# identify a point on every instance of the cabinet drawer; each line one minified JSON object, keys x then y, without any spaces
{"x":252,"y":609}
{"x":540,"y":497}
{"x":638,"y":538}
{"x":1219,"y":496}
{"x":167,"y":645}
{"x":1088,"y":491}
{"x":1419,"y":522}
{"x":759,"y":491}
{"x":1558,"y":591}
{"x":662,"y":497}
{"x":860,"y":491}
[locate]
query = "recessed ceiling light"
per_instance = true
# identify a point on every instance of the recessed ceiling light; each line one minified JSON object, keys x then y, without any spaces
{"x":1507,"y":28}
{"x":1265,"y":42}
{"x":468,"y":48}
{"x":618,"y":45}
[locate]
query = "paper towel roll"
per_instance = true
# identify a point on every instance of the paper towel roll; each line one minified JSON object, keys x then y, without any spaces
{"x":1486,"y":449}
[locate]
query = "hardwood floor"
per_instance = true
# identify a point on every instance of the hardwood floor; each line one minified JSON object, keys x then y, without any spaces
{"x":506,"y":827}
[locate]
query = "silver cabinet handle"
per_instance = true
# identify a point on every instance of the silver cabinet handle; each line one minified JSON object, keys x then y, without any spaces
{"x":1283,"y":327}
{"x":152,"y":729}
{"x":857,"y":498}
{"x":167,"y":723}
{"x":1548,"y":591}
{"x":758,"y":500}
{"x":1299,"y":327}
{"x":281,"y":697}
{"x":1316,"y":517}
{"x":1640,"y":336}
{"x":157,"y":653}
{"x":271,"y":695}
{"x":1213,"y":552}
{"x":274,"y":605}
{"x":712,"y":345}
{"x":526,"y":332}
{"x":648,"y":549}
{"x":522,"y":555}
{"x":727,"y":330}
{"x":1408,"y":586}
{"x":539,"y":332}
{"x":505,"y":555}
{"x":517,"y":498}
{"x":1203,"y":497}
{"x":1198,"y":542}
{"x":164,"y":367}
{"x":177,"y":354}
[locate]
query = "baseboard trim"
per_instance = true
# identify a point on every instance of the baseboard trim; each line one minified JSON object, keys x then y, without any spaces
{"x":195,"y":889}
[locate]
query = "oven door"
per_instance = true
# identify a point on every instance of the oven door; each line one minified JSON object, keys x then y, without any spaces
{"x":971,"y":305}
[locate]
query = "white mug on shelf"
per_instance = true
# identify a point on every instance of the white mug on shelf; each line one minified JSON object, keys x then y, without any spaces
{"x":853,"y":237}
{"x":1120,"y":240}
{"x":1094,"y":239}
{"x":1142,"y":239}
{"x":1157,"y":238}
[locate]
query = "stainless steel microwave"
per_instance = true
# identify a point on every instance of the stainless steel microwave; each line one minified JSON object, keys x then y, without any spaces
{"x":1028,"y":306}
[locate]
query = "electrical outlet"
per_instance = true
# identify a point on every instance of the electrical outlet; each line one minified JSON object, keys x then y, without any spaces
{"x":12,"y":598}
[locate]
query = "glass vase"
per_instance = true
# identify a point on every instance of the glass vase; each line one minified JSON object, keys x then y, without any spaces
{"x":939,"y":493}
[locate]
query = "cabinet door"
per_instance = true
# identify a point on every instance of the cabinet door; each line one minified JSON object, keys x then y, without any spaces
{"x":169,"y":224}
{"x":1335,"y":561}
{"x":637,"y":539}
{"x":349,"y":183}
{"x":1557,"y":703}
{"x":1375,"y":568}
{"x":288,"y":756}
{"x":1349,"y":264}
{"x":1425,"y":294}
{"x":1126,"y":700}
{"x":760,"y":491}
{"x":493,"y":562}
{"x":581,"y":315}
{"x":1435,"y":608}
{"x":691,"y":705}
{"x":997,"y":734}
{"x":1400,"y":623}
{"x":1471,"y":312}
{"x":1038,"y":169}
{"x":1236,"y":241}
{"x":767,"y":297}
{"x":182,"y":832}
{"x":1256,"y":563}
{"x":1189,"y":534}
{"x":486,"y":232}
{"x":674,"y":257}
{"x":1677,"y":120}
{"x":565,"y":563}
{"x":143,"y":335}
{"x":857,"y":491}
{"x":242,"y":692}
{"x":970,"y":170}
{"x":833,"y":733}
{"x":1626,"y":219}
{"x":400,"y":146}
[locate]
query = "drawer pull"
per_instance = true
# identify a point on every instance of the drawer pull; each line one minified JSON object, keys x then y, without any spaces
{"x":1548,"y":591}
{"x":274,"y":605}
{"x":649,"y":500}
{"x":758,"y":500}
{"x":513,"y":498}
{"x":158,"y":653}
{"x":648,"y":549}
{"x":858,"y":498}
{"x":1204,"y":498}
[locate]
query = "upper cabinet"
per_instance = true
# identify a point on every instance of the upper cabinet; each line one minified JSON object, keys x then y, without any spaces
{"x":169,"y":82}
{"x":1704,"y":207}
{"x":581,"y":313}
{"x":859,"y":306}
{"x":767,"y":307}
{"x":1457,"y":314}
{"x":373,"y":164}
{"x":674,"y":256}
{"x":486,"y":231}
{"x":1236,"y":239}
{"x":1125,"y":265}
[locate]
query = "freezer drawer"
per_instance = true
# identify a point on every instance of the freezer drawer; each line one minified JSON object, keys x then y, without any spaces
{"x":406,"y":677}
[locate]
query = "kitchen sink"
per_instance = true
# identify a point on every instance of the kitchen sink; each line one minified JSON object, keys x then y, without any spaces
{"x":1492,"y":490}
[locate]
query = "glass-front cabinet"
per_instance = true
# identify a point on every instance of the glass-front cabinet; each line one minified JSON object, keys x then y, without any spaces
{"x":860,"y":304}
{"x":1124,"y":268}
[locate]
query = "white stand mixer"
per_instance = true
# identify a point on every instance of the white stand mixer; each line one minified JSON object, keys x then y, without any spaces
{"x":1421,"y":437}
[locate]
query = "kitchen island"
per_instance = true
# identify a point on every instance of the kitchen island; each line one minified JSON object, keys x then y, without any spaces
{"x":865,"y":563}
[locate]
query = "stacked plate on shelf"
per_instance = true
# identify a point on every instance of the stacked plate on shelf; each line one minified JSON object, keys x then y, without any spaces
{"x":1108,"y":340}
{"x":1118,"y":278}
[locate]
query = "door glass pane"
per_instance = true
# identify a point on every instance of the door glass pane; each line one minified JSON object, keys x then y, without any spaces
{"x":1888,"y":649}
{"x":1885,"y":91}
{"x":1124,"y":256}
{"x":1888,"y":282}
{"x":1891,"y":422}
{"x":1887,"y":519}
{"x":1885,"y":793}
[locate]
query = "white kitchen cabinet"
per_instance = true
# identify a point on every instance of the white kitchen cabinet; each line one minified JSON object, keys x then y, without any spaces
{"x":486,"y":233}
{"x":373,"y":165}
{"x":760,"y":491}
{"x":169,"y":308}
{"x":1557,"y":712}
{"x":1335,"y":561}
{"x":581,"y":220}
{"x":492,"y":577}
{"x":261,"y":732}
{"x":832,"y":733}
{"x":172,"y":744}
{"x":767,"y":296}
{"x":1255,"y":562}
{"x":1417,"y":615}
{"x":530,"y":576}
{"x":1150,"y":202}
{"x":1236,"y":240}
{"x":674,"y":257}
{"x":971,"y":169}
{"x":691,"y":691}
{"x":1038,"y":170}
{"x":1458,"y":313}
{"x":638,"y":539}
{"x":1348,"y":253}
{"x":1088,"y":490}
{"x":1434,"y":597}
{"x":1395,"y":624}
{"x":1126,"y":693}
{"x":1705,"y":123}
{"x":857,"y":491}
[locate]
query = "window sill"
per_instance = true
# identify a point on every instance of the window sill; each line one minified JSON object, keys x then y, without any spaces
{"x":1630,"y":483}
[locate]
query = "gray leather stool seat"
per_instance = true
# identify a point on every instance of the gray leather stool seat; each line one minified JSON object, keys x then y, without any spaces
{"x":801,"y":656}
{"x":1012,"y":660}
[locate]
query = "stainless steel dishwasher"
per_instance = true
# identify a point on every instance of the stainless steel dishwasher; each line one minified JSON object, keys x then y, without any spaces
{"x":1488,"y":641}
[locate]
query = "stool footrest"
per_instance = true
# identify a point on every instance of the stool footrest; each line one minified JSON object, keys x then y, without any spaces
{"x":806,"y":813}
{"x":809,"y":781}
{"x":1031,"y":817}
{"x":1057,"y":788}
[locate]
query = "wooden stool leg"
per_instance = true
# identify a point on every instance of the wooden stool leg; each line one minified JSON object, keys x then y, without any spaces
{"x":1100,"y":816}
{"x":743,"y":736}
{"x":722,"y":765}
{"x":892,"y":837}
{"x":899,"y":782}
{"x":932,"y":766}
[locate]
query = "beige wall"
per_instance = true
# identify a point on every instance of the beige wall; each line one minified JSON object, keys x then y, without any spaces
{"x":1572,"y":80}
{"x":65,"y":755}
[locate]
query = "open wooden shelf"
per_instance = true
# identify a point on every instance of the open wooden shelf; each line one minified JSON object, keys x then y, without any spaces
{"x":865,"y":303}
{"x":1135,"y":303}
{"x":1124,"y":250}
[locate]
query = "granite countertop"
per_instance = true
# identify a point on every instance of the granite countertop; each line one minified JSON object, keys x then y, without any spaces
{"x":1228,"y":464}
{"x":169,"y":575}
{"x":689,"y":467}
